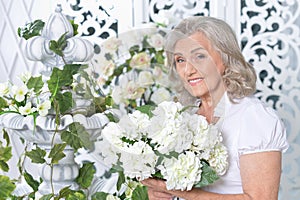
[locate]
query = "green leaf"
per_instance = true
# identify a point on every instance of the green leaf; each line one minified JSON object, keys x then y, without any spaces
{"x":140,"y":193}
{"x":58,"y":46}
{"x":121,"y":180}
{"x":71,"y":140}
{"x":65,"y":101}
{"x":47,"y":197}
{"x":75,"y":27}
{"x":31,"y":182}
{"x":5,"y":153}
{"x":68,"y":194}
{"x":7,"y":186}
{"x":208,"y":177}
{"x":99,"y":195}
{"x":76,"y":195}
{"x":36,"y":83}
{"x":62,"y":78}
{"x":64,"y":192}
{"x":86,"y":175}
{"x":77,"y":137}
{"x":31,"y":29}
{"x":3,"y":104}
{"x":36,"y":155}
{"x":4,"y":166}
{"x":57,"y":153}
{"x":100,"y":104}
{"x":6,"y":137}
{"x":147,"y":109}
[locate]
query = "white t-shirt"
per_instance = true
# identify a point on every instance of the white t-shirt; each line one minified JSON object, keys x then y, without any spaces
{"x":248,"y":126}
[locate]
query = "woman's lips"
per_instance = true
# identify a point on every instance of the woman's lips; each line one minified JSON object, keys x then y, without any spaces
{"x":195,"y":81}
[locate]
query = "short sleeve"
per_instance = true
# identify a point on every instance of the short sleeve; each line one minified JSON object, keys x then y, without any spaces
{"x":261,"y":130}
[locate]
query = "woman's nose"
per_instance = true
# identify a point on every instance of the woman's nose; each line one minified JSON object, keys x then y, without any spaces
{"x":190,"y":68}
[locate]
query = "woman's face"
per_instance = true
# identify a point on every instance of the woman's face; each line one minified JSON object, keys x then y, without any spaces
{"x":199,"y":66}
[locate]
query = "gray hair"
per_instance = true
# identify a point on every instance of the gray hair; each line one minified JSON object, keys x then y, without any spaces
{"x":239,"y":76}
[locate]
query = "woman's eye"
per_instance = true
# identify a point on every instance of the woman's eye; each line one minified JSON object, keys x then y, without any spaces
{"x":179,"y":60}
{"x":200,"y":56}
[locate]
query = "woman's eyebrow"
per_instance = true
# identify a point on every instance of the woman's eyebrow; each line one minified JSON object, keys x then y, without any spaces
{"x":199,"y":48}
{"x":192,"y":51}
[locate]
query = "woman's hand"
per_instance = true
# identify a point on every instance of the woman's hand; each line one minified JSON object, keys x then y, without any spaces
{"x":157,"y":189}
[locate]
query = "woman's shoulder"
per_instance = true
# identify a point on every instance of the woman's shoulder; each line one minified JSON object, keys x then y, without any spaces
{"x":261,"y":127}
{"x":251,"y":105}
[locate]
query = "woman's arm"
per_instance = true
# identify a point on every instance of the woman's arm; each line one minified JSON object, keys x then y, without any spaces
{"x":260,"y":173}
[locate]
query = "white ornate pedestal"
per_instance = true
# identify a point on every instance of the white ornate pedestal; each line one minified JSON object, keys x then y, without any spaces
{"x":42,"y":134}
{"x":43,"y":131}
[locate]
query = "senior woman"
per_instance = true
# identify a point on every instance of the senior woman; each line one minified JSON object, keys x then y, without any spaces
{"x":210,"y":70}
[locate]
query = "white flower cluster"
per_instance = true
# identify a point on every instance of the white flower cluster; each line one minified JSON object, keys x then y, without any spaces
{"x":23,"y":100}
{"x":171,"y":141}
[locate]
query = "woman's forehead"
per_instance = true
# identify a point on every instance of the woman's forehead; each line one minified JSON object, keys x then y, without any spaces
{"x":194,"y":42}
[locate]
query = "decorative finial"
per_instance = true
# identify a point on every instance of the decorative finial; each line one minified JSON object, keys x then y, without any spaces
{"x":58,"y":8}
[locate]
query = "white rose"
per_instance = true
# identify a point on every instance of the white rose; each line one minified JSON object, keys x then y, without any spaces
{"x":160,"y":95}
{"x":156,"y":41}
{"x":140,"y":61}
{"x":145,"y":79}
{"x":112,"y":44}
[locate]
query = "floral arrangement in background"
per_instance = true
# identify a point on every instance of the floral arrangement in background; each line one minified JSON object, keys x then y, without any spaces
{"x":132,"y":68}
{"x":163,"y":141}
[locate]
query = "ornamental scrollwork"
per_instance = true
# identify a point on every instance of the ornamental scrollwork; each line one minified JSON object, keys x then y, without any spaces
{"x":270,"y":40}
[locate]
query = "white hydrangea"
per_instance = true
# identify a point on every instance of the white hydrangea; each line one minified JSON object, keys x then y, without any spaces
{"x":143,"y":144}
{"x":182,"y":173}
{"x":218,"y":159}
{"x":168,"y":128}
{"x":138,"y":160}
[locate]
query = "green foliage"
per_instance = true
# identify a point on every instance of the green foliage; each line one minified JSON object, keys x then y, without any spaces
{"x":68,"y":194}
{"x":147,"y":109}
{"x":37,"y":155}
{"x":56,"y":153}
{"x":59,"y":82}
{"x":5,"y":155}
{"x":31,"y":182}
{"x":208,"y":177}
{"x":35,"y":83}
{"x":86,"y":175}
{"x":7,"y":187}
{"x":77,"y":137}
{"x":140,"y":193}
{"x":58,"y":46}
{"x":31,"y":29}
{"x":75,"y":27}
{"x":3,"y":104}
{"x":99,"y":195}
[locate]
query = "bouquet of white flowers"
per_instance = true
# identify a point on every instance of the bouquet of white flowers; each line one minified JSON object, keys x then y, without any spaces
{"x":165,"y":142}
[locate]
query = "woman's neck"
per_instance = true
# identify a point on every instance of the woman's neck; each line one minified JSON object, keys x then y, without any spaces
{"x":208,"y":105}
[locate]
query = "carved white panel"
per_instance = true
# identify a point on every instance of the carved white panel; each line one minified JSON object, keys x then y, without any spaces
{"x":271,"y":41}
{"x":176,"y":10}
